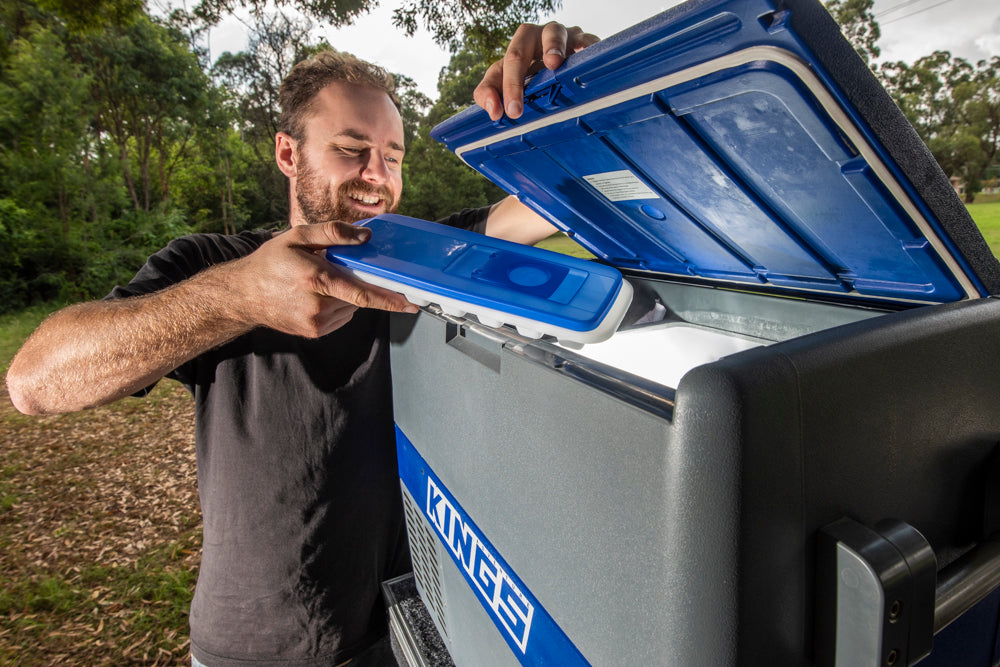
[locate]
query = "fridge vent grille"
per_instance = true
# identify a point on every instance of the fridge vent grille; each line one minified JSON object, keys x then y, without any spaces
{"x":426,"y":569}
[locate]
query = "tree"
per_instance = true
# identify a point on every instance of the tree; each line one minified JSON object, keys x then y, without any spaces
{"x":955,"y":108}
{"x":478,"y":26}
{"x":857,"y":22}
{"x":93,"y":15}
{"x":254,"y":76}
{"x":437,"y":182}
{"x":43,"y":121}
{"x":252,"y":79}
{"x":151,"y":95}
{"x":44,"y":113}
{"x":453,"y":23}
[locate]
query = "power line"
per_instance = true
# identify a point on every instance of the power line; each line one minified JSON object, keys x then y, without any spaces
{"x":919,"y":11}
{"x":895,"y":7}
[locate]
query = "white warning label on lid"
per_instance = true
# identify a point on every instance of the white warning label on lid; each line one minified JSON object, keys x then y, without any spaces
{"x":620,"y":185}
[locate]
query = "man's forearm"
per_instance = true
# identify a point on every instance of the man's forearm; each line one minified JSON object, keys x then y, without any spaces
{"x":511,"y":220}
{"x":94,"y":353}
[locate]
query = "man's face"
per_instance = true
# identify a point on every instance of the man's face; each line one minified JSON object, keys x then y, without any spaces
{"x":349,"y":164}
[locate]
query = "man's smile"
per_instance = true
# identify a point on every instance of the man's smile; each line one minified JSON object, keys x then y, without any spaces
{"x":366,"y":198}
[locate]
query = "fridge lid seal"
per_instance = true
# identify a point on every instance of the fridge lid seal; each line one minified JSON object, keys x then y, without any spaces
{"x":709,"y":143}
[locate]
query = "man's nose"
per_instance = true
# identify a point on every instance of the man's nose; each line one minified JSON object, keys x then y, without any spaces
{"x":374,"y":169}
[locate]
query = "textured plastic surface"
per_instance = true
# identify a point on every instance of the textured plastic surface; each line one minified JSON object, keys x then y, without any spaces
{"x":538,"y":291}
{"x":707,"y":142}
{"x":692,"y":535}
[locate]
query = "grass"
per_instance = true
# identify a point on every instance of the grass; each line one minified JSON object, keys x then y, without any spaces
{"x":987,"y":217}
{"x":560,"y":242}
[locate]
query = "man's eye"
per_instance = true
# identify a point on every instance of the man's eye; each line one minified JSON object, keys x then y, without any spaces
{"x":350,"y":151}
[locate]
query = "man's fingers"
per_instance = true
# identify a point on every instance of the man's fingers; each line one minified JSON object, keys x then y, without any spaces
{"x":554,"y":42}
{"x":340,"y":284}
{"x":326,"y":234}
{"x":532,"y":46}
{"x":487,"y":93}
{"x":524,"y":48}
{"x":578,"y":40}
{"x":333,"y":281}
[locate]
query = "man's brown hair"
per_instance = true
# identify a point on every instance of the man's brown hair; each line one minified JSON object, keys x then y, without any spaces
{"x":299,"y":89}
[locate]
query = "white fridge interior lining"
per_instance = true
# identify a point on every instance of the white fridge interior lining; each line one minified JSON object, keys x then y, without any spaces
{"x":663,"y":353}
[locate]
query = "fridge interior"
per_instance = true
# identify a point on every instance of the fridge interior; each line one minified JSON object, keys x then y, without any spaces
{"x":673,"y":327}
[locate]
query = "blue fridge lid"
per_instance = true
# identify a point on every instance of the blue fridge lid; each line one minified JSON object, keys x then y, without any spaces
{"x":740,"y":142}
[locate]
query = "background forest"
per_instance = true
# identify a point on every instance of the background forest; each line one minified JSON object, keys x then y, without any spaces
{"x":117,"y":134}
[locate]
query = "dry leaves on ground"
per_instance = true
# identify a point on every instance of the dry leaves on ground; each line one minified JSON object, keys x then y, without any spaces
{"x":100,"y":533}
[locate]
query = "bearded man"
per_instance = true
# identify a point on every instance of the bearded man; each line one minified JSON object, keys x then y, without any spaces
{"x":287,"y":359}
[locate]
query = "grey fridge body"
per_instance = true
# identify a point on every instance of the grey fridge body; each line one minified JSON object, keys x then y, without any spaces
{"x":662,"y":525}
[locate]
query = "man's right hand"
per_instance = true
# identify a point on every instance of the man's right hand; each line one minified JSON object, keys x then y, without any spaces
{"x":287,"y":284}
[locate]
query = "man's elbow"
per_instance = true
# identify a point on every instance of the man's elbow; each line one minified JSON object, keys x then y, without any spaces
{"x":25,"y":390}
{"x":23,"y":399}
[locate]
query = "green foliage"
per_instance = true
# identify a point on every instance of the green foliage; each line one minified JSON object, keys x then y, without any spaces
{"x":436,"y":182}
{"x":92,"y":15}
{"x":857,"y":22}
{"x":252,"y":77}
{"x":93,"y":126}
{"x":955,"y":107}
{"x":251,"y":80}
{"x":481,"y":26}
{"x":152,"y":95}
{"x":334,"y":12}
{"x":44,"y":112}
{"x":953,"y":104}
{"x":453,"y":23}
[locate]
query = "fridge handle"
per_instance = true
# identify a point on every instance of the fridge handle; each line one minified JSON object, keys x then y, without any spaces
{"x":880,"y":600}
{"x":967,"y":581}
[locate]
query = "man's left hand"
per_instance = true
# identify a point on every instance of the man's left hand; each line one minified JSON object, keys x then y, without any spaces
{"x":502,"y":88}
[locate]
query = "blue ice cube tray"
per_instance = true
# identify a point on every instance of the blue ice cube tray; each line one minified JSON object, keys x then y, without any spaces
{"x":537,"y":291}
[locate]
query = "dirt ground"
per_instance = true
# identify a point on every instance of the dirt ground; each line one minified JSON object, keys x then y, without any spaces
{"x":100,"y":533}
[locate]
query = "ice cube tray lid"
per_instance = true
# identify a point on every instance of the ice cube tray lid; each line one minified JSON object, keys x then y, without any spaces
{"x":738,"y":142}
{"x":538,"y":291}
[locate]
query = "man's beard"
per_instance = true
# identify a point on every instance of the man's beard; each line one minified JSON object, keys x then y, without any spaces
{"x":318,"y":204}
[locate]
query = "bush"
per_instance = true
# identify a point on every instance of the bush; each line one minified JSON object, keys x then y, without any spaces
{"x":40,"y":263}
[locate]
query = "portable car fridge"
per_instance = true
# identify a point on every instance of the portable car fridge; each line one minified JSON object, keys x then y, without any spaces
{"x":787,"y":453}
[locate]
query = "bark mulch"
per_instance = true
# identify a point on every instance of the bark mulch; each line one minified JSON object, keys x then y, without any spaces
{"x":100,"y":533}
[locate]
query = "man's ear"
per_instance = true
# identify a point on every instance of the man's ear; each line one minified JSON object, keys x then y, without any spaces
{"x":284,"y":154}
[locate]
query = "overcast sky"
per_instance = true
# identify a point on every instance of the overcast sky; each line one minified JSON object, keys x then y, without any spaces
{"x":910,"y":29}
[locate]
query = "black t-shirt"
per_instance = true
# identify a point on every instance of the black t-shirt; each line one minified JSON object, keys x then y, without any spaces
{"x":297,"y":478}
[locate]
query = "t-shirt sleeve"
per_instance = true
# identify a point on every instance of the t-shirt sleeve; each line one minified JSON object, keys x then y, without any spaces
{"x":174,"y":263}
{"x":473,"y":219}
{"x":179,"y":260}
